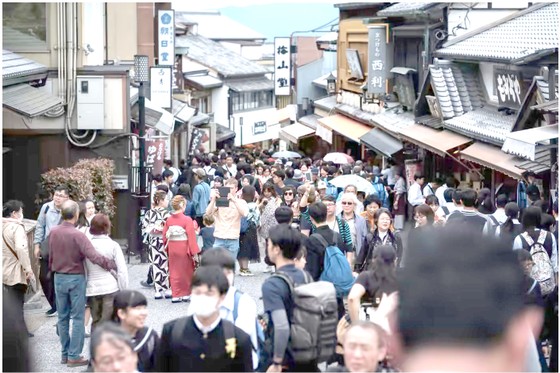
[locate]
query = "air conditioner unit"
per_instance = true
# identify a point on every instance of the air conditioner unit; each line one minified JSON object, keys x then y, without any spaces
{"x":90,"y":103}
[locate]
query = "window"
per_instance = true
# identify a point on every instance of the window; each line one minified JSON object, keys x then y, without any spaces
{"x":242,"y":101}
{"x":24,"y":26}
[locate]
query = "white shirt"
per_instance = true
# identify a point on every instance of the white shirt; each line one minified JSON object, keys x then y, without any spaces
{"x":415,"y":196}
{"x":175,"y":172}
{"x":206,"y":329}
{"x":389,"y":174}
{"x":230,"y":171}
{"x":439,"y":194}
{"x":428,"y":190}
{"x":500,"y":215}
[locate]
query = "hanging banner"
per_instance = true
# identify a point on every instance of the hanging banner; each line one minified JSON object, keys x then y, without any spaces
{"x":160,"y":86}
{"x":378,"y":67}
{"x":282,"y":66}
{"x":166,"y":37}
{"x":155,"y":153}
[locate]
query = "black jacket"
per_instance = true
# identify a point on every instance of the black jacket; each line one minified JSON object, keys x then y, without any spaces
{"x":316,"y":250}
{"x":196,"y":352}
{"x":371,"y":242}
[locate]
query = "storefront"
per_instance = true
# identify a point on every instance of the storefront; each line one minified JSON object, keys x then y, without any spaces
{"x":343,"y":134}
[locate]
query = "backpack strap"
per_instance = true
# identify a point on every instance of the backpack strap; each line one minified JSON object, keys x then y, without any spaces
{"x":321,"y":239}
{"x":144,"y":340}
{"x":286,"y":278}
{"x":528,"y":239}
{"x":494,"y":220}
{"x":532,"y":287}
{"x":445,"y":210}
{"x":542,"y":237}
{"x":236,"y":298}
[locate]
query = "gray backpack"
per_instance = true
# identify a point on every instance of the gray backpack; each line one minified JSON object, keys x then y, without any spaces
{"x":313,"y":321}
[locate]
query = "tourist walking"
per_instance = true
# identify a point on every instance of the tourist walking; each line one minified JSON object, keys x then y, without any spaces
{"x":152,"y":226}
{"x":248,"y":241}
{"x":101,"y":284}
{"x":17,"y":272}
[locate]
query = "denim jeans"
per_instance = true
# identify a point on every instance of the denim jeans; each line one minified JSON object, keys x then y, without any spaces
{"x":70,"y":293}
{"x":230,"y":245}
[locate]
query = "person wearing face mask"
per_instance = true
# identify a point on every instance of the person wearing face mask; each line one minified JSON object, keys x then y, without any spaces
{"x":204,"y":342}
{"x":238,"y":308}
{"x":17,"y":272}
{"x":130,"y":311}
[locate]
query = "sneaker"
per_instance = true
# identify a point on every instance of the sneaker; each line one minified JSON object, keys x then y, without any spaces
{"x":146,"y":284}
{"x":186,"y":298}
{"x":176,"y":300}
{"x":79,"y":362}
{"x":64,"y":360}
{"x":245,"y":273}
{"x":51,"y":313}
{"x":167,"y":294}
{"x":158,"y":295}
{"x":248,"y":273}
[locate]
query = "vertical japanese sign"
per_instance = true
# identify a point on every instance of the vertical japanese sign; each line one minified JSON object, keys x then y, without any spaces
{"x":509,"y":88}
{"x":160,"y":86}
{"x":166,"y":37}
{"x":282,"y":66}
{"x":377,"y":53}
{"x":155,"y":152}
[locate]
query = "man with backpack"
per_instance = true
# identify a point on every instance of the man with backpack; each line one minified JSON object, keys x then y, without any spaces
{"x":326,"y":252}
{"x":237,"y":307}
{"x":302,"y":313}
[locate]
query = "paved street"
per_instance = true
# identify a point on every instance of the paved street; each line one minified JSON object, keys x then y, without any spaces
{"x":45,"y":346}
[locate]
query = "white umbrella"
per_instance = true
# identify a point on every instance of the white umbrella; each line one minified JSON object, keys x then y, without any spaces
{"x":286,"y":154}
{"x":338,"y":158}
{"x":362,"y":184}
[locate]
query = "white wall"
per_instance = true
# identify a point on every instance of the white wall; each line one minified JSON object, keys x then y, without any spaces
{"x":92,"y":33}
{"x":220,"y":105}
{"x":487,"y":72}
{"x":249,"y":118}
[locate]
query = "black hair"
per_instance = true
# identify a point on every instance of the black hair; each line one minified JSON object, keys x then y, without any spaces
{"x":165,"y":174}
{"x":447,"y":293}
{"x":468,"y":197}
{"x":484,"y":200}
{"x":372,"y":198}
{"x":289,"y":172}
{"x":432,"y":200}
{"x":501,"y":201}
{"x":163,"y":187}
{"x":62,"y":188}
{"x":457,"y":196}
{"x":450,"y":182}
{"x":531,"y":219}
{"x":318,"y":211}
{"x":185,"y":191}
{"x":287,"y":239}
{"x":82,"y":220}
{"x":283,"y":214}
{"x":168,"y":162}
{"x":328,"y":198}
{"x":111,"y":332}
{"x":512,"y":212}
{"x":280,"y":173}
{"x":269,"y":186}
{"x":383,"y":264}
{"x":157,"y":178}
{"x":248,"y":193}
{"x":218,"y":256}
{"x":11,"y":206}
{"x":418,"y":175}
{"x":448,"y":194}
{"x":524,"y":255}
{"x":127,"y":298}
{"x":211,"y":276}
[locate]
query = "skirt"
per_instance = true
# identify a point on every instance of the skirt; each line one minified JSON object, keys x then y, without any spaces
{"x":249,"y":245}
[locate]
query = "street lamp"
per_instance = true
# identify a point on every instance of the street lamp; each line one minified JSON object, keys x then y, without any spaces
{"x":331,"y":84}
{"x":141,"y":76}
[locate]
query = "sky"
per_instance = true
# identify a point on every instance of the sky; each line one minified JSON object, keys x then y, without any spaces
{"x":272,"y":18}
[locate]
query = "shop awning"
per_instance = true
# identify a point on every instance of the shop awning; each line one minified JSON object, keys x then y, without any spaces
{"x":156,"y":117}
{"x":381,"y":142}
{"x":260,"y":83}
{"x":438,"y":142}
{"x":29,"y":101}
{"x":223,"y":133}
{"x":345,"y":126}
{"x":203,"y":82}
{"x":541,"y":163}
{"x":525,"y":143}
{"x":492,"y":157}
{"x":295,"y":131}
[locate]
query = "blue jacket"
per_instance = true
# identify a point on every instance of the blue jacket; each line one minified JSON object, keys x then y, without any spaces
{"x":201,"y":198}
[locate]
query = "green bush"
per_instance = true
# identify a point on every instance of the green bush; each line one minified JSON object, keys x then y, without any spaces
{"x":87,"y":179}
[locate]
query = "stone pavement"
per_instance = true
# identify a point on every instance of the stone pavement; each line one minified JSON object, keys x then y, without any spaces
{"x":45,"y":346}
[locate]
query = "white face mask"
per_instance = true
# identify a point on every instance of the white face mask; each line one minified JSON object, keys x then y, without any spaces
{"x":203,"y":305}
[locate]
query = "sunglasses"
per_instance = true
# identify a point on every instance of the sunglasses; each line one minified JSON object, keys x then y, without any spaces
{"x":347,"y":203}
{"x":288,"y":194}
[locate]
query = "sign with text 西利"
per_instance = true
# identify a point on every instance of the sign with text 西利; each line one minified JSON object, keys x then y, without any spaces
{"x":166,"y":37}
{"x":160,"y":86}
{"x":509,"y":88}
{"x":378,"y":68}
{"x":282,"y":66}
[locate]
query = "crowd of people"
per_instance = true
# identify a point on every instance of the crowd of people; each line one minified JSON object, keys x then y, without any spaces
{"x":471,"y":285}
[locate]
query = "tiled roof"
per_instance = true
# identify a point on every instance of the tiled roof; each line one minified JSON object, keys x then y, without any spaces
{"x":15,"y":66}
{"x":260,"y":83}
{"x":28,"y":100}
{"x":217,"y":57}
{"x":310,"y":120}
{"x":17,"y":40}
{"x":521,"y":35}
{"x":406,"y":8}
{"x":485,"y":124}
{"x":388,"y":120}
